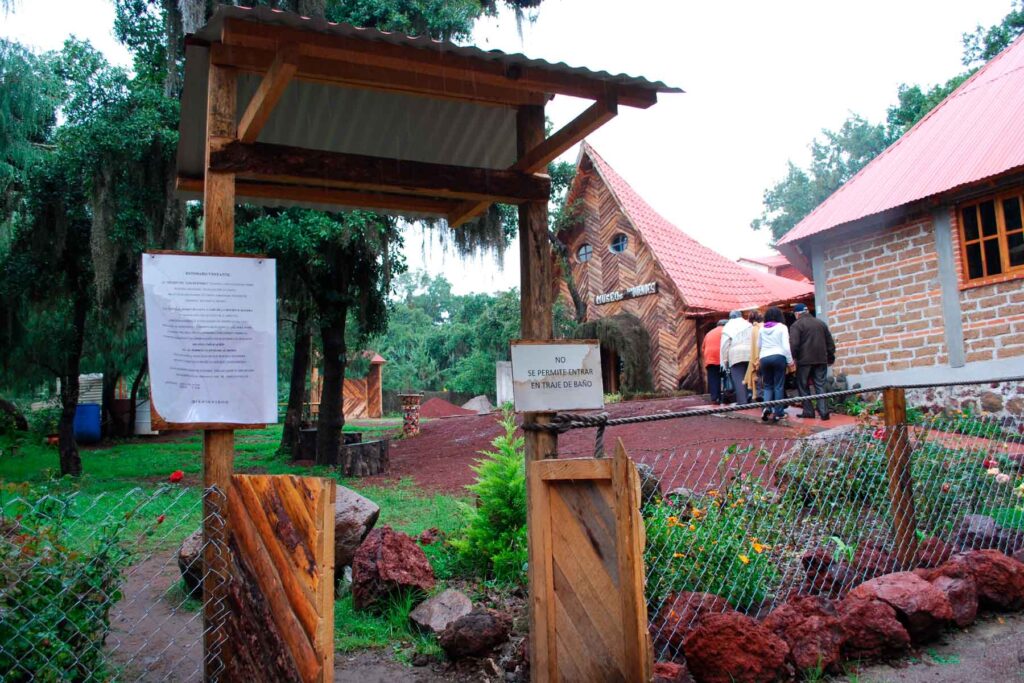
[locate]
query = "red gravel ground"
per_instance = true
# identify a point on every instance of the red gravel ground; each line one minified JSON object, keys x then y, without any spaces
{"x":685,"y":450}
{"x":438,"y":407}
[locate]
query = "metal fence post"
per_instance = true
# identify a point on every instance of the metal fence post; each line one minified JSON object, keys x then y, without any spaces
{"x":901,"y":482}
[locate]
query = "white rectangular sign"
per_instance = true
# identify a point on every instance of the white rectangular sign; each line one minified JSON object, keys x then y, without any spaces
{"x":557,"y":375}
{"x":211,"y":331}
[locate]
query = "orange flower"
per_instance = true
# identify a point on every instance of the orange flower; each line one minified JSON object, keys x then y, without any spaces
{"x":678,"y":555}
{"x":759,"y":547}
{"x":693,"y":528}
{"x":744,"y":559}
{"x":697,"y":512}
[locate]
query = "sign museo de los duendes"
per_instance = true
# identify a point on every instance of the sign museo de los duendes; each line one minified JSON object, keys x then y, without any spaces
{"x":628,"y":293}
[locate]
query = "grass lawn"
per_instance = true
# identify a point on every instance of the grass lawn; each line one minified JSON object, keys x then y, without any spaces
{"x":131,"y":478}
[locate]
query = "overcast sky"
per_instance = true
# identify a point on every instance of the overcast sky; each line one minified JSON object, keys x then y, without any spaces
{"x":761,"y":80}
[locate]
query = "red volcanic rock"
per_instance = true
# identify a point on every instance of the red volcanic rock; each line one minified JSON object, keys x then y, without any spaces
{"x":826,"y":575}
{"x":871,"y":560}
{"x":871,"y":629}
{"x":680,"y":614}
{"x":733,"y":648}
{"x":920,"y":606}
{"x":932,"y":552}
{"x":999,"y":578}
{"x":671,"y":672}
{"x":475,"y":634}
{"x":387,"y":562}
{"x":438,"y":407}
{"x":811,"y":628}
{"x":955,"y":580}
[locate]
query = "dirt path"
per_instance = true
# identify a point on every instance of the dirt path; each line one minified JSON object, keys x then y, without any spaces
{"x":151,"y":638}
{"x":989,"y":651}
{"x":440,"y":457}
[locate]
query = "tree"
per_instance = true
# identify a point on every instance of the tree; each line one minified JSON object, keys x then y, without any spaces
{"x":844,"y":152}
{"x":835,"y":158}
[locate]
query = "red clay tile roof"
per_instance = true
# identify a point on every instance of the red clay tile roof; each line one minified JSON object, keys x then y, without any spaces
{"x":975,"y":133}
{"x":706,"y":280}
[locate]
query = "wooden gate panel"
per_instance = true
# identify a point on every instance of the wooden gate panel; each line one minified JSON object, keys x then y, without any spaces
{"x":589,"y":620}
{"x":280,"y":621}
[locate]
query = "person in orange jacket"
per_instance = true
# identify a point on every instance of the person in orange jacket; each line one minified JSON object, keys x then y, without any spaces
{"x":713,"y":361}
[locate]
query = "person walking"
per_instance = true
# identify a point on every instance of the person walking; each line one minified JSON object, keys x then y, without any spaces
{"x":813,"y":350}
{"x":735,"y":353}
{"x":775,"y":356}
{"x":713,"y":361}
{"x":753,"y":377}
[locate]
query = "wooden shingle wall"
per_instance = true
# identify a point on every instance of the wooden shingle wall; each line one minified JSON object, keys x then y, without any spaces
{"x":673,"y":336}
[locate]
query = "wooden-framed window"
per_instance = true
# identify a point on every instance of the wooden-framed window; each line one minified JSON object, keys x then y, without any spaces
{"x":992,"y":238}
{"x":584,"y":252}
{"x":619,"y":243}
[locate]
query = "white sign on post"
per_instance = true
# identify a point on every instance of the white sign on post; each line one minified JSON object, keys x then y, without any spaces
{"x":211,"y":332}
{"x":550,"y":376}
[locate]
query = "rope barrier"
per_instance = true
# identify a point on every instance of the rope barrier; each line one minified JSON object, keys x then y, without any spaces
{"x":564,"y":422}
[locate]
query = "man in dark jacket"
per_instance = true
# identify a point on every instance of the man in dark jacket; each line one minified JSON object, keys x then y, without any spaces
{"x":813,"y":351}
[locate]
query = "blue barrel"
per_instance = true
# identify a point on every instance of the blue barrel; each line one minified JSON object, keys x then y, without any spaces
{"x":87,"y":423}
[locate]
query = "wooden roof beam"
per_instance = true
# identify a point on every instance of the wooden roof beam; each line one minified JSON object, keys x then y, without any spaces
{"x":296,"y":165}
{"x":538,"y":158}
{"x":330,"y":196}
{"x":433,"y":62}
{"x":263,"y":101}
{"x":332,"y":72}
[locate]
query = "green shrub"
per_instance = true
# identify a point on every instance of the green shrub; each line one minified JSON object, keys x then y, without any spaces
{"x":718,"y":546}
{"x":44,"y":421}
{"x":56,"y":600}
{"x":494,"y":539}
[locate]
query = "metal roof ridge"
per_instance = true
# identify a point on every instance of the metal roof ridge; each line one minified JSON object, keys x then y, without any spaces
{"x":961,"y":89}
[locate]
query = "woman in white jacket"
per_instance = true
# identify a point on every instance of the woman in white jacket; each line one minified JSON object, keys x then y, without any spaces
{"x":735,"y":353}
{"x":775,"y":357}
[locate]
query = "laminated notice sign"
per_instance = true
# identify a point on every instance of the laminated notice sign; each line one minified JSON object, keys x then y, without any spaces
{"x":549,"y":376}
{"x":211,"y":332}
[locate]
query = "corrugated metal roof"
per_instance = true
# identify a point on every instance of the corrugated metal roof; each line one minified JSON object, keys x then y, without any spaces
{"x":706,"y":280}
{"x":975,"y":133}
{"x":265,"y":15}
{"x":364,"y":121}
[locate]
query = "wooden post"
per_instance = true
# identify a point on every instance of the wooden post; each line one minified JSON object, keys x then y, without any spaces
{"x":901,"y":481}
{"x":218,"y":444}
{"x":536,"y":306}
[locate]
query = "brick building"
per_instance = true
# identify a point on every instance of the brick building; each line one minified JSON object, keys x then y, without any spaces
{"x":918,"y":260}
{"x":628,"y":259}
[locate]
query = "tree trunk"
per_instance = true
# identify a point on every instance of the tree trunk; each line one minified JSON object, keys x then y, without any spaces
{"x":297,"y":385}
{"x":109,"y":425}
{"x":332,"y":405}
{"x":70,"y":460}
{"x":20,"y":423}
{"x":134,"y":397}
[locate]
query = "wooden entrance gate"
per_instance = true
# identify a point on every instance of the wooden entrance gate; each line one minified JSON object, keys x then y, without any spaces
{"x":279,"y":621}
{"x":587,"y":540}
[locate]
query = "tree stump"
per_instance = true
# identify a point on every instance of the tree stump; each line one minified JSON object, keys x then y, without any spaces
{"x":365,"y":459}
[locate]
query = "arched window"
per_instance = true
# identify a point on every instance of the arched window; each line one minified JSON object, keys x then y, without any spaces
{"x":619,"y":243}
{"x":584,"y":252}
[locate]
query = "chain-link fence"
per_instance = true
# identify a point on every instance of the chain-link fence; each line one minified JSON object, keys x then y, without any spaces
{"x":748,"y":525}
{"x":93,"y":586}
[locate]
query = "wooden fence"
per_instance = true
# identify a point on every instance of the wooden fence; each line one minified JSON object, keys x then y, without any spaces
{"x":279,"y":624}
{"x":587,"y":540}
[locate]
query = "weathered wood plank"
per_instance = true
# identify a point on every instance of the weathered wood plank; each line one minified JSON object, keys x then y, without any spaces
{"x":584,"y":468}
{"x":291,"y":575}
{"x":270,"y":89}
{"x":271,"y":582}
{"x":318,"y":168}
{"x":636,"y":644}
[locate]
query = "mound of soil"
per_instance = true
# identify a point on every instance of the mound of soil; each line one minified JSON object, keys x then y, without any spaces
{"x":438,"y":407}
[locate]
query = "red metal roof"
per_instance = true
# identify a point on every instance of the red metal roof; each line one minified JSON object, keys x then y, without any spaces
{"x":770,"y":261}
{"x":706,"y":280}
{"x":977,"y":132}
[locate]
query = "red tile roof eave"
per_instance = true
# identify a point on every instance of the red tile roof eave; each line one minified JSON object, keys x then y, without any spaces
{"x":991,"y":81}
{"x":746,"y":289}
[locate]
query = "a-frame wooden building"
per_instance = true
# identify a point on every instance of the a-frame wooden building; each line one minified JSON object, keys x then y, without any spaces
{"x":626,"y":258}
